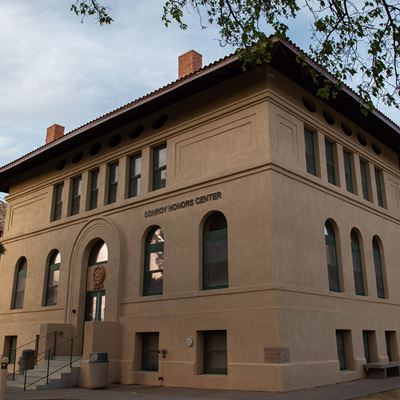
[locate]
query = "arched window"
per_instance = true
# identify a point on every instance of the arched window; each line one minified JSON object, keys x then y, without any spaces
{"x":380,"y":286}
{"x":215,"y":252}
{"x":331,"y":258}
{"x":357,"y":264}
{"x":95,"y":287}
{"x":154,"y":262}
{"x":53,"y":278}
{"x":99,"y":253}
{"x":19,"y":285}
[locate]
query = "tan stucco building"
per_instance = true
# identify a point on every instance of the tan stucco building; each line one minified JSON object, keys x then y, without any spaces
{"x":230,"y":230}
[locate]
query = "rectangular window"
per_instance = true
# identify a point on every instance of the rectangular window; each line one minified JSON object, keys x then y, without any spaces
{"x":391,"y":347}
{"x":343,"y":351}
{"x":364,"y":179}
{"x":309,"y":139}
{"x":159,"y":167}
{"x":58,"y":201}
{"x":330,"y":162}
{"x":76,"y":195}
{"x":10,"y":346}
{"x":215,"y":352}
{"x":379,"y":186}
{"x":135,"y":171}
{"x":348,"y":170}
{"x":93,"y":189}
{"x":367,"y":350}
{"x":112,"y":182}
{"x":150,"y":351}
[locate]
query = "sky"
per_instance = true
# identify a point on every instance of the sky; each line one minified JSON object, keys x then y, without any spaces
{"x":55,"y":69}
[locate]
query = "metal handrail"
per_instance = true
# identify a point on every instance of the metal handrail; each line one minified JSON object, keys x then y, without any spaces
{"x":48,"y":353}
{"x":36,"y":341}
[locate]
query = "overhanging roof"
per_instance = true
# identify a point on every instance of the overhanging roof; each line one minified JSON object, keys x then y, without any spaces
{"x":283,"y":59}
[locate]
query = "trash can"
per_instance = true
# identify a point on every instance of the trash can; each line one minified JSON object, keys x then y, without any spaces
{"x":28,"y":359}
{"x":98,"y":370}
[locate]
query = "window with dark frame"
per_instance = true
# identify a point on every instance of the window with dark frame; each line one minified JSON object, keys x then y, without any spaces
{"x":330,"y":162}
{"x":113,"y":170}
{"x":135,"y":173}
{"x":341,"y":349}
{"x":11,"y":348}
{"x":357,"y":264}
{"x":367,"y":349}
{"x":331,"y":258}
{"x":364,"y":179}
{"x":58,"y":201}
{"x":150,"y":351}
{"x":309,"y":139}
{"x":159,"y":167}
{"x":19,"y":286}
{"x":379,"y":187}
{"x":94,"y":189}
{"x":348,"y":170}
{"x":215,"y":352}
{"x":76,"y":195}
{"x":380,"y":285}
{"x":53,"y":279}
{"x":215,"y":252}
{"x":390,"y":338}
{"x":154,"y":262}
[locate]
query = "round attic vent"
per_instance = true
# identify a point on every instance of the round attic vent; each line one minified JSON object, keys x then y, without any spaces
{"x":160,"y":122}
{"x":362,"y":139}
{"x":346,"y":129}
{"x":60,"y":165}
{"x":77,"y":157}
{"x":328,"y":117}
{"x":377,"y":149}
{"x":309,"y":104}
{"x":94,"y":149}
{"x":137,"y":131}
{"x":115,"y":140}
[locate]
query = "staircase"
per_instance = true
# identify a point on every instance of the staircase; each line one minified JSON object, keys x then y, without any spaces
{"x":59,"y":371}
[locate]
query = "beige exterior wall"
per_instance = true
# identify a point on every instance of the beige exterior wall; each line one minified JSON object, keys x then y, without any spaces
{"x":244,"y":139}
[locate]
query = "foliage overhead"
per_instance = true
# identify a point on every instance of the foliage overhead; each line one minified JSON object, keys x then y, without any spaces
{"x":350,"y":39}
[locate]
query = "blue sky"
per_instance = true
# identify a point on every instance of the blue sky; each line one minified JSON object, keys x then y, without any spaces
{"x":54,"y":69}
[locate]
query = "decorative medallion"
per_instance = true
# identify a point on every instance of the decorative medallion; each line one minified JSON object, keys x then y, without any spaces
{"x":99,"y":276}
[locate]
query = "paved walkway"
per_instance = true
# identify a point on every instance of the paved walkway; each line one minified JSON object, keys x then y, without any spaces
{"x":342,"y":391}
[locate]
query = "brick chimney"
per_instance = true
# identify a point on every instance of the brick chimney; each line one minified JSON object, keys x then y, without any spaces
{"x":54,"y":132}
{"x":189,"y":62}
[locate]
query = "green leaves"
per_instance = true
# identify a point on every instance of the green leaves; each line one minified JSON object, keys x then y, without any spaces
{"x":87,"y":8}
{"x":357,"y":42}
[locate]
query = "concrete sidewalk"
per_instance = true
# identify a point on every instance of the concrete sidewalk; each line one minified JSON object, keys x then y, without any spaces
{"x":342,"y":391}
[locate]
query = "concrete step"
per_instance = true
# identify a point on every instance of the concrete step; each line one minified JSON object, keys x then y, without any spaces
{"x":60,"y":375}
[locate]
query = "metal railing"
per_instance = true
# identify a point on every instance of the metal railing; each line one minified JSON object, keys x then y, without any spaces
{"x":13,"y":351}
{"x":47,"y":355}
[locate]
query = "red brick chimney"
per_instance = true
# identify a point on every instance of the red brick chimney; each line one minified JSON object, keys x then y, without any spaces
{"x":189,"y":62}
{"x":54,"y":132}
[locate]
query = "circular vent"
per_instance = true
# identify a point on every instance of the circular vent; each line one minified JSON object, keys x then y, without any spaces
{"x":137,"y":131}
{"x":328,"y":117}
{"x":160,"y":122}
{"x":95,"y":149}
{"x":309,"y":104}
{"x":362,"y":139}
{"x":77,"y":157}
{"x":60,"y":165}
{"x":377,"y":149}
{"x":115,"y":140}
{"x":346,"y":129}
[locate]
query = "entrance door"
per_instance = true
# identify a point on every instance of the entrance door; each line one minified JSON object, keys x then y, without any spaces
{"x":95,"y":305}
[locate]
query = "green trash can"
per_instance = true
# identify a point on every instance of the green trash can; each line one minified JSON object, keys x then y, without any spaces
{"x":28,"y":357}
